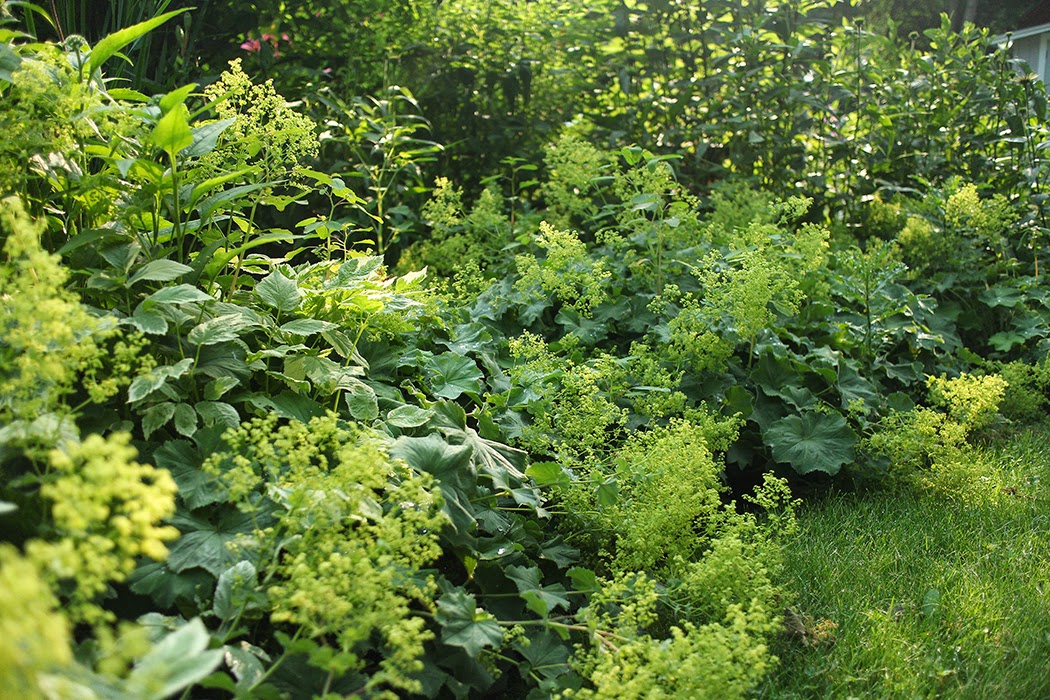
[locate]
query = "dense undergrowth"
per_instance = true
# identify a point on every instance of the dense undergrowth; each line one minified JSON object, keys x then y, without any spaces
{"x":279,"y":419}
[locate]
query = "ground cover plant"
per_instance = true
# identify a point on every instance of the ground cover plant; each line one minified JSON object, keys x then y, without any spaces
{"x":296,"y":405}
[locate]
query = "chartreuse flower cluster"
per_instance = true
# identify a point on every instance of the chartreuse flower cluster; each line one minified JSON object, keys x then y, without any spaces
{"x":46,"y":335}
{"x":567,"y":273}
{"x":354,"y":530}
{"x":265,"y":132}
{"x":107,"y":510}
{"x":716,"y":567}
{"x":926,"y":446}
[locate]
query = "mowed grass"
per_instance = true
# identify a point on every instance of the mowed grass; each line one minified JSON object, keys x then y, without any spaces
{"x":920,"y":593}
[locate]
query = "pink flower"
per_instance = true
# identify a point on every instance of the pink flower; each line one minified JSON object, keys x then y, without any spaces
{"x":252,"y":46}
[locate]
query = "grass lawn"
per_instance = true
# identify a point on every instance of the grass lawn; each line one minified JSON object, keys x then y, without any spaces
{"x":925,"y":593}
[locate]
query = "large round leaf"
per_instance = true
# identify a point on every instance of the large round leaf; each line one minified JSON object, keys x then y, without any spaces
{"x":812,"y":442}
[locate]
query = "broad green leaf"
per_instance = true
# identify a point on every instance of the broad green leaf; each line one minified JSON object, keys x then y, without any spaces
{"x":812,"y":442}
{"x":557,"y":551}
{"x":216,"y":330}
{"x":144,"y":385}
{"x":207,"y":546}
{"x":175,"y":98}
{"x":216,"y":388}
{"x":156,"y":417}
{"x":451,"y":375}
{"x":205,"y":138}
{"x":172,"y":133}
{"x":278,"y":292}
{"x":540,"y":599}
{"x":409,"y":416}
{"x":289,"y":405}
{"x":546,"y":654}
{"x":185,"y":420}
{"x":178,"y":661}
{"x":110,"y":45}
{"x":159,"y":271}
{"x":453,"y":467}
{"x":465,"y":625}
{"x":307,"y":326}
{"x":584,"y":579}
{"x":218,"y":413}
{"x":547,"y":473}
{"x":362,"y":402}
{"x":9,"y":62}
{"x":211,"y":183}
{"x":183,"y":460}
{"x":165,"y":587}
{"x":179,"y":294}
{"x":235,"y":590}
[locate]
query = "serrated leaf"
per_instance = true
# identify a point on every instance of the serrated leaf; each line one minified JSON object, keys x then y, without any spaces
{"x":197,"y":488}
{"x":812,"y":442}
{"x":217,"y":330}
{"x":179,"y":294}
{"x":165,"y":587}
{"x":207,"y":546}
{"x":148,"y":322}
{"x":185,"y":420}
{"x":206,"y":137}
{"x":234,"y":589}
{"x":465,"y":625}
{"x":307,"y":326}
{"x":539,"y":599}
{"x":362,"y":402}
{"x":216,"y":388}
{"x":156,"y":417}
{"x":409,"y":416}
{"x":451,"y":375}
{"x":584,"y":579}
{"x":144,"y":385}
{"x":218,"y":413}
{"x":547,"y":473}
{"x":278,"y":292}
{"x":159,"y":271}
{"x":546,"y":654}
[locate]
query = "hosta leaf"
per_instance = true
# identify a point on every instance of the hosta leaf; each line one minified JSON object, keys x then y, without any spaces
{"x":148,"y":322}
{"x":179,"y":660}
{"x":465,"y":625}
{"x":278,"y":292}
{"x":812,"y":442}
{"x":452,"y":375}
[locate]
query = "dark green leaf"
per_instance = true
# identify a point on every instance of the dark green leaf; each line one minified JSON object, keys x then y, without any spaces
{"x":409,"y":416}
{"x":465,"y":625}
{"x":144,"y":385}
{"x":278,"y":292}
{"x":159,"y":271}
{"x":185,"y":420}
{"x":307,"y":326}
{"x":451,"y":375}
{"x":235,"y":590}
{"x":197,"y":488}
{"x":812,"y":442}
{"x":166,"y":587}
{"x":362,"y":402}
{"x":179,"y":294}
{"x":206,"y":545}
{"x":218,"y":413}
